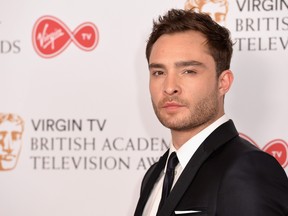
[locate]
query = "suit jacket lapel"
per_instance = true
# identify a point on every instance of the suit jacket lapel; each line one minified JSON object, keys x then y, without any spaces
{"x":220,"y":136}
{"x":148,"y":183}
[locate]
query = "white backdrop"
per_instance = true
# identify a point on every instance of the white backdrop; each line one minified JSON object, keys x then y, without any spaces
{"x":97,"y":167}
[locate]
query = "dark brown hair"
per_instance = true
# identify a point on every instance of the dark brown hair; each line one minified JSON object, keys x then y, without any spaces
{"x":177,"y":20}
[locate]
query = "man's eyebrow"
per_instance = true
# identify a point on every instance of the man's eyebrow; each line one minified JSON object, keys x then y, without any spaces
{"x":178,"y":64}
{"x":189,"y":63}
{"x":156,"y":65}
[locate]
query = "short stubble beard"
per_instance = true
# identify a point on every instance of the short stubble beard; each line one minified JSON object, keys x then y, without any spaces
{"x":204,"y":112}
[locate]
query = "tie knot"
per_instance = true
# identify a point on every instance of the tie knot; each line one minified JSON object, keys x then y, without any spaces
{"x":172,"y":161}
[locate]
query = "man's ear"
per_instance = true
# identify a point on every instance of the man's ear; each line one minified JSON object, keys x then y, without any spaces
{"x":225,"y":81}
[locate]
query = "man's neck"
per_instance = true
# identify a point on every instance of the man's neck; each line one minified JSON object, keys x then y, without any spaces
{"x":180,"y":137}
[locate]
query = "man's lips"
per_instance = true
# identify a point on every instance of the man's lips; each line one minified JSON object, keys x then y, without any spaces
{"x":172,"y":105}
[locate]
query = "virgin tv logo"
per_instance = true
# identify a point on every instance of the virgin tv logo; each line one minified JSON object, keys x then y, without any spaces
{"x":51,"y":36}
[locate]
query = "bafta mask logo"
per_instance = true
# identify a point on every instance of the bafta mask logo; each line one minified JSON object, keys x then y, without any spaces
{"x":11,"y":130}
{"x":217,"y":9}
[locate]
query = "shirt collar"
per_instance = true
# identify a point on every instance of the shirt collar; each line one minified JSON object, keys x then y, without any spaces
{"x":189,"y":148}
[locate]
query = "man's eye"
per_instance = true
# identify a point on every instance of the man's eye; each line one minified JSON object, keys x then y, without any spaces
{"x":158,"y":73}
{"x":189,"y":72}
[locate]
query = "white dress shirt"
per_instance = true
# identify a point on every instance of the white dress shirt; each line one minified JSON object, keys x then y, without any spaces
{"x":184,"y":154}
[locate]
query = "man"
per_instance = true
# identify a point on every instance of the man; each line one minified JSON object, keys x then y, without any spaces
{"x":11,"y":130}
{"x":218,"y":172}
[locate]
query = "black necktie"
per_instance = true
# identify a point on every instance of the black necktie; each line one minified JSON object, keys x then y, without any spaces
{"x":169,"y":177}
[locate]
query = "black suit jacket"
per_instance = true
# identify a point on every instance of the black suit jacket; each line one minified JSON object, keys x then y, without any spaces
{"x":227,"y":176}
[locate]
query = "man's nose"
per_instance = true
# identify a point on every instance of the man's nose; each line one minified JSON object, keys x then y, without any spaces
{"x":171,"y":85}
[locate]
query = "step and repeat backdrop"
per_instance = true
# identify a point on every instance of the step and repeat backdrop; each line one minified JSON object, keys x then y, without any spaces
{"x":77,"y":129}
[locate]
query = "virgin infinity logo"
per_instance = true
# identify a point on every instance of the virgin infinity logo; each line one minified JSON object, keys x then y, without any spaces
{"x":51,"y":36}
{"x":277,"y":148}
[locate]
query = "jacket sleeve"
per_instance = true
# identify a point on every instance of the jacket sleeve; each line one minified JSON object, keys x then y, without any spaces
{"x":255,"y":185}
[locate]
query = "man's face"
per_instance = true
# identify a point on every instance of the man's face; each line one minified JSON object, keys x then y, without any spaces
{"x":183,"y":81}
{"x":10,"y":144}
